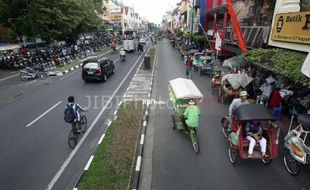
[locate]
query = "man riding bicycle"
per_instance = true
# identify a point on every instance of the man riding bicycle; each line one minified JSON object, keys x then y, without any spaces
{"x":191,"y":115}
{"x":73,"y":111}
{"x":236,"y":103}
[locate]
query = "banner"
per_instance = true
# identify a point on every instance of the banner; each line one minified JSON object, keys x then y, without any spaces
{"x":292,"y":27}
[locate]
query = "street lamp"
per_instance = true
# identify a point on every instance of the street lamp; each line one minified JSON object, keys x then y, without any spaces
{"x":32,"y":27}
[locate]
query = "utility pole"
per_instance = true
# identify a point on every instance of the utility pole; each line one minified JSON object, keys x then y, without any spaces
{"x":32,"y":26}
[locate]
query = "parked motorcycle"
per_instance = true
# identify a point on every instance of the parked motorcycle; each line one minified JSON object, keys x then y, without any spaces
{"x":33,"y":73}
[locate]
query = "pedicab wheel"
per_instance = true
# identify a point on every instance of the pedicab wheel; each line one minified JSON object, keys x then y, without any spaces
{"x":72,"y":139}
{"x":232,"y":154}
{"x":195,"y":141}
{"x":83,"y":123}
{"x":291,"y":165}
{"x":225,"y":124}
{"x":173,"y":122}
{"x":266,"y":161}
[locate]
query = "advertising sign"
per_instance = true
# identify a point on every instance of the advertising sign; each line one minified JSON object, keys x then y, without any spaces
{"x":292,"y":27}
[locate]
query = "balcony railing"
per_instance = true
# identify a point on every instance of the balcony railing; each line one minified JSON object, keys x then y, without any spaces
{"x":255,"y":36}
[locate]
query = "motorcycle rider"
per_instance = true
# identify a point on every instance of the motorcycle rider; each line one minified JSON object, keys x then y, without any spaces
{"x":122,"y":54}
{"x":113,"y":46}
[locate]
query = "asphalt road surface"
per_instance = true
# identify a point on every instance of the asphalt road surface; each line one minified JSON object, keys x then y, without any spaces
{"x":176,"y":166}
{"x":34,"y":135}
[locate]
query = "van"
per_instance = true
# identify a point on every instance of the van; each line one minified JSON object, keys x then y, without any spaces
{"x":97,"y":69}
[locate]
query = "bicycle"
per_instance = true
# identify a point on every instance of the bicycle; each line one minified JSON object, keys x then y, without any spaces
{"x":77,"y":130}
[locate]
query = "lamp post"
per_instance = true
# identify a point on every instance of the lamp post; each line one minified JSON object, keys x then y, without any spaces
{"x":32,"y":26}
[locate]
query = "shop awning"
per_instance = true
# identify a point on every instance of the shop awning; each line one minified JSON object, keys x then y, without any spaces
{"x":234,"y":62}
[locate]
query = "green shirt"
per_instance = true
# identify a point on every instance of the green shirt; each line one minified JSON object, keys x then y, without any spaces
{"x":192,"y":113}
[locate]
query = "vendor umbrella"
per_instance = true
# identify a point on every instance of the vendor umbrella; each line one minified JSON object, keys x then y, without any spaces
{"x":238,"y":80}
{"x":192,"y":51}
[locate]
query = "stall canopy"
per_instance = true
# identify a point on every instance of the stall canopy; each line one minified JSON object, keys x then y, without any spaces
{"x":185,"y":89}
{"x":234,"y":62}
{"x":9,"y":46}
{"x":238,"y":80}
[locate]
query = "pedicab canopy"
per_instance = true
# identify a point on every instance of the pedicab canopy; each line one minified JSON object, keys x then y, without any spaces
{"x":249,"y":112}
{"x":184,"y":89}
{"x":237,"y":80}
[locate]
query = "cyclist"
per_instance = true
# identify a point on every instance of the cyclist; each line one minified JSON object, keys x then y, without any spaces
{"x":191,"y":115}
{"x":236,"y":103}
{"x":73,"y":111}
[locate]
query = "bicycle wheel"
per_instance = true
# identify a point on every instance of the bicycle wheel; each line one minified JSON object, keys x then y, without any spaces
{"x":225,"y":123}
{"x":232,"y":154}
{"x":72,"y":139}
{"x":195,"y":140}
{"x":83,"y":123}
{"x":291,"y":165}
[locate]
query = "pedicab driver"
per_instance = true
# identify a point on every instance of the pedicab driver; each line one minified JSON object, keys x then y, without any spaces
{"x":254,"y":133}
{"x":191,"y":114}
{"x":236,"y":103}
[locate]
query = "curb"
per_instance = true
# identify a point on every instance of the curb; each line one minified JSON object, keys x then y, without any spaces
{"x":77,"y":66}
{"x":136,"y":178}
{"x":108,"y":123}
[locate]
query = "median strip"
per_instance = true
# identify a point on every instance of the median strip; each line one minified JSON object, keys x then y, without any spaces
{"x":114,"y":161}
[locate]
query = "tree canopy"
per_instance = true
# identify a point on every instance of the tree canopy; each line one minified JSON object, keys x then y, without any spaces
{"x":52,"y":19}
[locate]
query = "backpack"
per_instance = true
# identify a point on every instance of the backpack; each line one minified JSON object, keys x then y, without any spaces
{"x":69,"y":113}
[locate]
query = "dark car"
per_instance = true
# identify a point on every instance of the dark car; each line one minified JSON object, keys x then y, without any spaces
{"x":97,"y":69}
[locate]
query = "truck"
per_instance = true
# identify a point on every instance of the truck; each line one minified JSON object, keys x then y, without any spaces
{"x":129,"y":45}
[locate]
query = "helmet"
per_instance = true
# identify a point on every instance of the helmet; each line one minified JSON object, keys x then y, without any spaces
{"x":244,"y":93}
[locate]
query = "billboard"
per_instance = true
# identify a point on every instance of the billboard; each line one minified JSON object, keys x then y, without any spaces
{"x":292,"y":27}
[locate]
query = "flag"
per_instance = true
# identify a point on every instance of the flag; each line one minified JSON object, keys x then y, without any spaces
{"x":218,"y":41}
{"x":305,"y":69}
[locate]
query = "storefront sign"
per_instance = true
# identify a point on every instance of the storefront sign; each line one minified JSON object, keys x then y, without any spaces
{"x":292,"y":27}
{"x":116,"y":17}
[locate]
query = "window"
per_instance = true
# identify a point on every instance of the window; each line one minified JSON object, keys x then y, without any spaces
{"x":91,"y":65}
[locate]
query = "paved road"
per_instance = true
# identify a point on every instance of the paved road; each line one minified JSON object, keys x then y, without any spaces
{"x":32,"y":154}
{"x":176,"y":166}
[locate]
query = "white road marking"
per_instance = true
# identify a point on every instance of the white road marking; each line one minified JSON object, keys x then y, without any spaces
{"x":43,"y":114}
{"x":110,"y":122}
{"x":142,"y":139}
{"x":115,"y":112}
{"x":101,"y":139}
{"x":144,"y":123}
{"x":72,"y":154}
{"x":8,"y":77}
{"x":68,"y":75}
{"x":138,"y":164}
{"x":89,"y":162}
